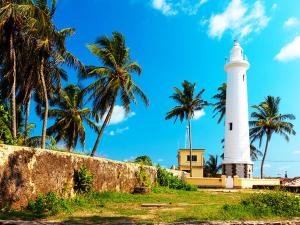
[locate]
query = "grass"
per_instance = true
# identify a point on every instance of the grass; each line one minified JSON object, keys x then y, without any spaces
{"x":201,"y":205}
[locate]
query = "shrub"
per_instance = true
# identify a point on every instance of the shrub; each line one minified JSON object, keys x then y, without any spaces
{"x":167,"y":179}
{"x":262,"y":204}
{"x":49,"y":203}
{"x":143,"y":177}
{"x":83,"y":180}
{"x":144,"y":160}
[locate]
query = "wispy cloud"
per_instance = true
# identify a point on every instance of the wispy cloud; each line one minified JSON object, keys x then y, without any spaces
{"x":198,"y":114}
{"x":290,"y":51}
{"x":296,"y":152}
{"x":118,"y":131}
{"x":267,"y":165}
{"x":291,"y":22}
{"x":274,"y":6}
{"x":173,"y":7}
{"x":240,"y":19}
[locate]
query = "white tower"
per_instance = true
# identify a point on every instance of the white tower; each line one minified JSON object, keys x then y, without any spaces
{"x":237,"y":145}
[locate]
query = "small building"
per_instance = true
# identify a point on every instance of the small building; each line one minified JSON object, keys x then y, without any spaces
{"x":197,"y":161}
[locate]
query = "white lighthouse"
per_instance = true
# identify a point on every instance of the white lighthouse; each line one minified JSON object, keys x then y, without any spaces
{"x":237,"y":159}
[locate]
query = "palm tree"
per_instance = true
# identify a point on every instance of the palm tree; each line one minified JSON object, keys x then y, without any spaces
{"x":188,"y":103}
{"x":144,"y":160}
{"x":50,"y":52}
{"x":114,"y":79}
{"x":212,"y":167}
{"x":268,"y":120}
{"x":70,"y":114}
{"x":220,"y":105}
{"x":12,"y":23}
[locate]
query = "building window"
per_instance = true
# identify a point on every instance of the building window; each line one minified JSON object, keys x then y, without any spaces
{"x":194,"y":158}
{"x":243,"y":77}
{"x":230,"y":126}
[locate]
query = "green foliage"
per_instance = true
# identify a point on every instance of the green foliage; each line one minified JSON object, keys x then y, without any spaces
{"x":143,"y":177}
{"x":144,"y":160}
{"x":5,"y":133}
{"x":83,"y":180}
{"x":47,"y":204}
{"x":167,"y":179}
{"x":212,"y":166}
{"x":275,"y":203}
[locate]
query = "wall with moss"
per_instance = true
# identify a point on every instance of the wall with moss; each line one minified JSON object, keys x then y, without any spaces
{"x":26,"y":172}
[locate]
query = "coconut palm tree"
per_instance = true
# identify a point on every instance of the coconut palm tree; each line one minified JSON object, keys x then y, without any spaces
{"x":70,"y":114}
{"x":220,"y":105}
{"x":188,"y":103}
{"x":12,"y":25}
{"x":266,"y":121}
{"x":212,"y":167}
{"x":112,"y":80}
{"x":50,"y":52}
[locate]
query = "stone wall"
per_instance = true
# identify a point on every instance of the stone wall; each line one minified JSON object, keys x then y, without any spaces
{"x":26,"y":172}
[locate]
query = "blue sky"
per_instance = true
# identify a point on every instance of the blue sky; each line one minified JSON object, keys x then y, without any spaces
{"x":175,"y":40}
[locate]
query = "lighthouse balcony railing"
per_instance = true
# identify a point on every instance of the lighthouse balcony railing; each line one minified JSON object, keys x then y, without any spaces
{"x":230,"y":59}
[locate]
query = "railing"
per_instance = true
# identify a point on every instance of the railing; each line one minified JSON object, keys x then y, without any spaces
{"x":228,"y":60}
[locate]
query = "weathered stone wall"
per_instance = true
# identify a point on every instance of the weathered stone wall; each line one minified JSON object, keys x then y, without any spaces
{"x":26,"y":172}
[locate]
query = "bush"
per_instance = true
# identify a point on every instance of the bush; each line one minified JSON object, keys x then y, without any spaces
{"x":47,"y":204}
{"x":275,"y":203}
{"x":143,"y":177}
{"x":144,"y":160}
{"x":83,"y":180}
{"x":167,"y":179}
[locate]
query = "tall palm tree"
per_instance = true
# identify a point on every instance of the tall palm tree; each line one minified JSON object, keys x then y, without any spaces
{"x":212,"y":167}
{"x":50,"y":51}
{"x":268,"y":120}
{"x":12,"y":24}
{"x":70,"y":114}
{"x":114,"y":79}
{"x":188,"y":103}
{"x":220,"y":105}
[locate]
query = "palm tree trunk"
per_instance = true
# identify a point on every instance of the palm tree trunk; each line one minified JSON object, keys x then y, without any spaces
{"x":13,"y":90}
{"x":264,"y":156}
{"x":43,"y":142}
{"x":107,"y":119}
{"x":27,"y":115}
{"x":190,"y":140}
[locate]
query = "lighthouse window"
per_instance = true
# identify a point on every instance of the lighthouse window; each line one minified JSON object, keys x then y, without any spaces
{"x":230,"y":126}
{"x":243,"y":77}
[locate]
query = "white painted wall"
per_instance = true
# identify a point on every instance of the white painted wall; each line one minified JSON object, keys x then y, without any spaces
{"x":237,"y":146}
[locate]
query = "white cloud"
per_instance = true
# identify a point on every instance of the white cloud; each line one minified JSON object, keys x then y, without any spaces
{"x":160,"y":160}
{"x":291,"y":22}
{"x":173,"y":7}
{"x":296,"y":152}
{"x":267,"y":165}
{"x":238,"y":18}
{"x":119,"y":115}
{"x":274,"y":6}
{"x":290,"y":51}
{"x":118,"y":131}
{"x":199,"y":114}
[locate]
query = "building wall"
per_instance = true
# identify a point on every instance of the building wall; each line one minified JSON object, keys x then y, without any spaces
{"x":26,"y":172}
{"x":197,"y":166}
{"x":207,"y":182}
{"x":249,"y":183}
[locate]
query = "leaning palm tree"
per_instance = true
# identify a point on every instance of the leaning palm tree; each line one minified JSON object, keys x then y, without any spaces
{"x":220,"y":105}
{"x":70,"y":114}
{"x":268,"y":120}
{"x":188,"y":103}
{"x":112,"y":80}
{"x":212,"y":167}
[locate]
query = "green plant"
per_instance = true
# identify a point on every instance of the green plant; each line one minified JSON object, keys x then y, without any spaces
{"x":144,"y":160}
{"x":143,"y":177}
{"x":83,"y":180}
{"x":275,"y":203}
{"x":167,"y":179}
{"x":47,"y":204}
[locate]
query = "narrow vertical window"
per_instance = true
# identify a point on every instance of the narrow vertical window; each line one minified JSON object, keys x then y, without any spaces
{"x":230,"y":126}
{"x":243,"y":77}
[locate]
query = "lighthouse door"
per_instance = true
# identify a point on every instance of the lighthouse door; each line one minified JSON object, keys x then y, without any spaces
{"x":229,"y":182}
